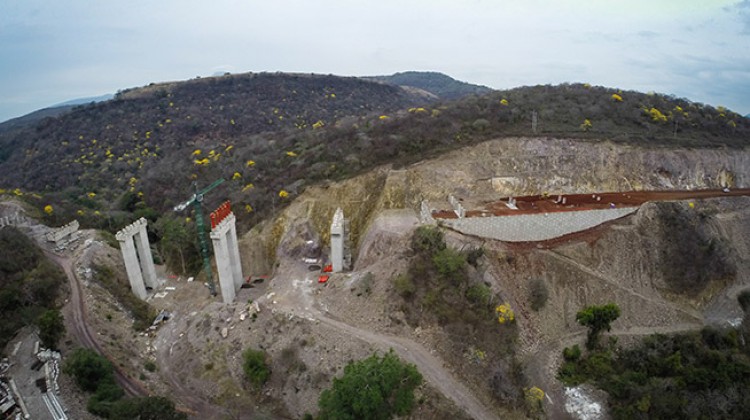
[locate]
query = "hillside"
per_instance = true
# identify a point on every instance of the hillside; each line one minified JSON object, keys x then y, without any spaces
{"x":438,"y":84}
{"x":272,"y":135}
{"x":669,"y":266}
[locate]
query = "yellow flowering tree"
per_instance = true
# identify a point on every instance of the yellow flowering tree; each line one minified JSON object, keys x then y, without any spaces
{"x":48,"y":209}
{"x":250,"y":163}
{"x":236,"y":176}
{"x":616,"y":98}
{"x":505,"y":314}
{"x":657,"y":115}
{"x":283,"y":194}
{"x":586,"y":125}
{"x":504,"y":102}
{"x":534,"y":397}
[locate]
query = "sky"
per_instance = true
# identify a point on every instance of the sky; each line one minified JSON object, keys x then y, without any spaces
{"x":54,"y":51}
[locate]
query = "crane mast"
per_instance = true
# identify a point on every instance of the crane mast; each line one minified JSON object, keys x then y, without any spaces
{"x":195,"y":201}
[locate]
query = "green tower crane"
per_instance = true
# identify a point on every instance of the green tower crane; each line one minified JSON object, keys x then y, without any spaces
{"x":196,"y":201}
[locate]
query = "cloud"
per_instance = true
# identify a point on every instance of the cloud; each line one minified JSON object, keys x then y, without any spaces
{"x":742,"y":10}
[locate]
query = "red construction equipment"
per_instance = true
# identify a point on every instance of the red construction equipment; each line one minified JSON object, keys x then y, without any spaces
{"x":323,"y":278}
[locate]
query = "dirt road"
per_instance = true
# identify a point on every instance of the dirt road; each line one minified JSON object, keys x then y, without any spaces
{"x":299,"y":300}
{"x":75,"y":320}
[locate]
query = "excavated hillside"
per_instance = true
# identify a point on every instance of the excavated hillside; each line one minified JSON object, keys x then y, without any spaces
{"x":671,"y":266}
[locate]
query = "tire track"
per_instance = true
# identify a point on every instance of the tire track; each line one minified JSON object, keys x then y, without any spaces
{"x":75,"y":317}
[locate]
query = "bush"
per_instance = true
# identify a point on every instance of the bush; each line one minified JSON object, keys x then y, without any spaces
{"x":744,"y":300}
{"x":255,"y":367}
{"x":51,"y":328}
{"x":146,"y":408}
{"x":450,"y":264}
{"x":473,"y":256}
{"x":404,"y":285}
{"x":88,"y":369}
{"x":427,"y":239}
{"x":572,"y":354}
{"x":598,"y":319}
{"x":479,"y":294}
{"x":373,"y":388}
{"x":150,"y":366}
{"x":538,"y":294}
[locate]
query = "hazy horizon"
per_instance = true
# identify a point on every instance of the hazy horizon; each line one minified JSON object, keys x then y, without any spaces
{"x":692,"y":49}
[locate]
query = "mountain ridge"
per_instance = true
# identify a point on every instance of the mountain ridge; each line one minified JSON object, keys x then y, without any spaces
{"x":273,"y":132}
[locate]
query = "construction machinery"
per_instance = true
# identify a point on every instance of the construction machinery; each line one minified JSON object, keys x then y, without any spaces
{"x":196,"y":201}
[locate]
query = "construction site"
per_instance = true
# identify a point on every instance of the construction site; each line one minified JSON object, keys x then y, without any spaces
{"x":314,"y":288}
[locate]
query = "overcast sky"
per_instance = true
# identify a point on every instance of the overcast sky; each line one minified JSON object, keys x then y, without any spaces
{"x":53,"y":51}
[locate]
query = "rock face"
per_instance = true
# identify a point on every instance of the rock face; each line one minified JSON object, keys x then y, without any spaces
{"x":529,"y":166}
{"x":515,"y":167}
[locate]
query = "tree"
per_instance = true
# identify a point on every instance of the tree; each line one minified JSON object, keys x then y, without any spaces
{"x":177,"y":244}
{"x":597,"y":318}
{"x":255,"y":367}
{"x":89,"y":369}
{"x":427,"y":239}
{"x":373,"y":388}
{"x":51,"y":328}
{"x":146,"y":408}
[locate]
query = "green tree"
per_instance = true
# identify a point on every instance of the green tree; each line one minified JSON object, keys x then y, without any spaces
{"x":177,"y":244}
{"x":256,"y":369}
{"x":427,"y":239}
{"x":373,"y":388}
{"x":598,"y":319}
{"x":51,"y":328}
{"x":450,"y":264}
{"x":89,"y":369}
{"x":146,"y":408}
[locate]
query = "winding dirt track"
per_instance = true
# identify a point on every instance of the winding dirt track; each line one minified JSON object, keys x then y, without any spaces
{"x":431,"y":367}
{"x":75,"y":318}
{"x":428,"y":365}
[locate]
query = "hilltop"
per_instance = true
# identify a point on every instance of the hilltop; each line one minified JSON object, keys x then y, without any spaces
{"x":437,"y":84}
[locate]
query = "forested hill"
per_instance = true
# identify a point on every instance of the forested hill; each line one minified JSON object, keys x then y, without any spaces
{"x":270,"y":135}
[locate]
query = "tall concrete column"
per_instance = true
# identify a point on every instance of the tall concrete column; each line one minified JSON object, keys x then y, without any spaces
{"x":226,"y":251}
{"x":234,"y":252}
{"x":337,"y":241}
{"x":144,"y":253}
{"x":223,"y":265}
{"x":131,"y":265}
{"x":133,"y":238}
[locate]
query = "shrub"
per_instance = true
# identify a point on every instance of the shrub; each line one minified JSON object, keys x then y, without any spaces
{"x":255,"y":367}
{"x":744,"y":300}
{"x":572,"y":354}
{"x":450,"y":264}
{"x":427,"y":239}
{"x":89,"y":369}
{"x":538,"y":294}
{"x":373,"y":388}
{"x":51,"y":328}
{"x":146,"y":408}
{"x":473,"y":256}
{"x":150,"y":366}
{"x":479,"y":294}
{"x":598,"y":319}
{"x":404,"y":285}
